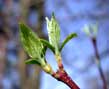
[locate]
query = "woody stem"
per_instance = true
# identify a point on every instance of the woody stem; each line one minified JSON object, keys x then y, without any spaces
{"x":99,"y":64}
{"x":63,"y":77}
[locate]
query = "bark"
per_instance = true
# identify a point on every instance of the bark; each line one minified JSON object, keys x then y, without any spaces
{"x":64,"y":77}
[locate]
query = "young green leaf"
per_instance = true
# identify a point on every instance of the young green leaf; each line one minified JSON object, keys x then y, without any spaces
{"x":91,"y":30}
{"x":53,"y":32}
{"x":69,"y":37}
{"x":44,"y":50}
{"x":48,"y":45}
{"x":86,"y":29}
{"x":32,"y":61}
{"x":94,"y":28}
{"x":31,"y":43}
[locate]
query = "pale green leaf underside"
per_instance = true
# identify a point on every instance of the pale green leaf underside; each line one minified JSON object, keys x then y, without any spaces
{"x":68,"y":38}
{"x":53,"y":32}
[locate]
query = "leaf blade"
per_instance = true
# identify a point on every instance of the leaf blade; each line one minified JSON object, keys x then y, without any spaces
{"x":48,"y":45}
{"x":30,"y":41}
{"x":53,"y":32}
{"x":67,"y":39}
{"x":32,"y":61}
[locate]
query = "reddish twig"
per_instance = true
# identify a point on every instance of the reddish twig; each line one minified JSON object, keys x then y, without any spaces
{"x":63,"y":77}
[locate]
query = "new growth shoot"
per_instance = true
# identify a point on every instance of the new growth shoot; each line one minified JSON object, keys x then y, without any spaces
{"x":36,"y":48}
